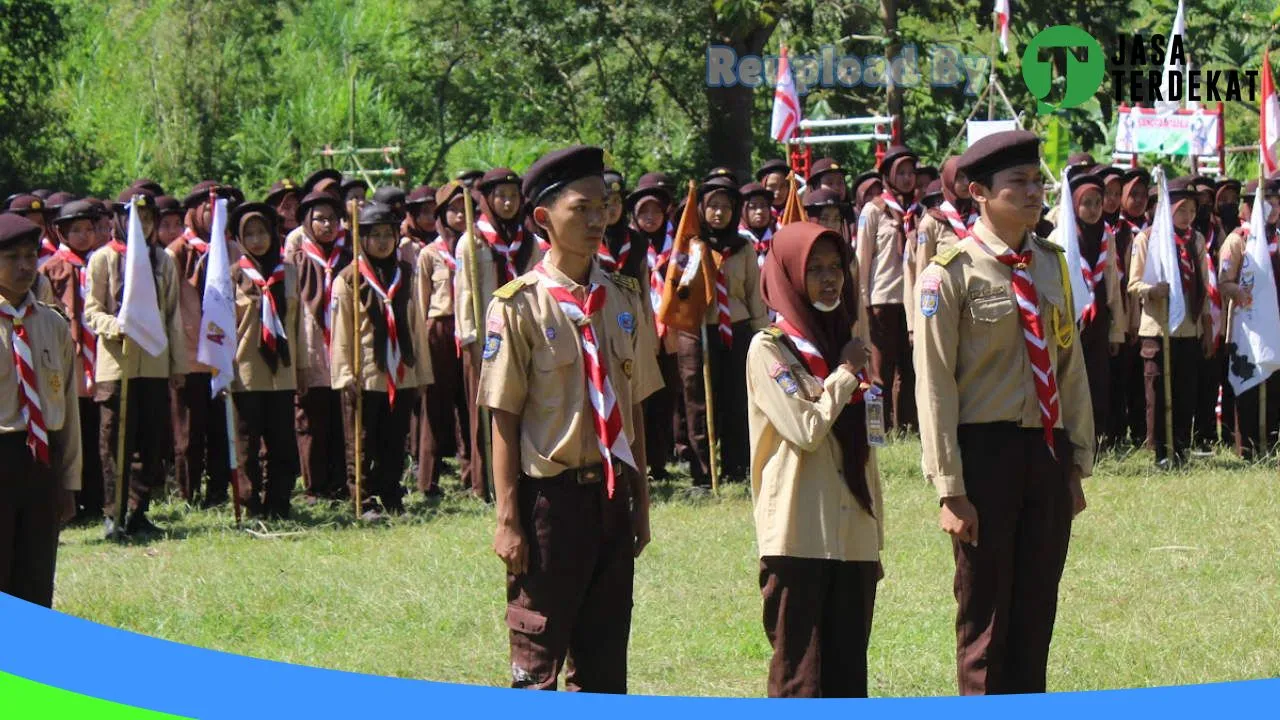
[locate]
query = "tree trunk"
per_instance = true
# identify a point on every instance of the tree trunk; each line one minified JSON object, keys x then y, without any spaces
{"x":889,"y":17}
{"x":730,"y":136}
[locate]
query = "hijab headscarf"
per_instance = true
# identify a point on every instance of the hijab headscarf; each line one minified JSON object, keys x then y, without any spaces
{"x":726,"y":239}
{"x":266,"y":264}
{"x":782,"y":285}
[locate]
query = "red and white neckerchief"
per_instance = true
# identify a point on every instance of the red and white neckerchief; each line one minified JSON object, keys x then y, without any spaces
{"x":1273,"y":245}
{"x":24,"y":370}
{"x":87,"y":342}
{"x":1094,"y":273}
{"x":762,"y":244}
{"x":201,"y":246}
{"x":907,"y":216}
{"x":441,"y":246}
{"x":272,"y":325}
{"x":611,"y":436}
{"x":607,"y":259}
{"x":48,"y":249}
{"x":1215,"y":298}
{"x":960,"y":226}
{"x":395,"y":368}
{"x":543,"y":244}
{"x":813,"y":359}
{"x":1024,"y":288}
{"x":725,"y":323}
{"x":507,"y":250}
{"x":329,"y":263}
{"x":658,"y":260}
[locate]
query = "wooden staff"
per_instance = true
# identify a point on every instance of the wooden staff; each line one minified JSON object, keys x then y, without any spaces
{"x":232,"y":458}
{"x":358,"y":349}
{"x":477,"y":314}
{"x":1168,"y":395}
{"x":122,"y":430}
{"x":711,"y":411}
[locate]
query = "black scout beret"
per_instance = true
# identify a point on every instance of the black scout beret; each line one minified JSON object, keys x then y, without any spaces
{"x":166,"y":205}
{"x":420,"y":195}
{"x":822,"y":167}
{"x":267,"y":212}
{"x":772,"y":166}
{"x":1000,"y":151}
{"x":893,"y":155}
{"x":820,"y":198}
{"x":495,"y":177}
{"x":561,"y":167}
{"x":1182,"y":188}
{"x":15,"y":229}
{"x":315,"y":178}
{"x":932,"y":194}
{"x":377,"y":214}
{"x":76,"y":210}
{"x":755,"y":188}
{"x":320,"y":197}
{"x":389,"y":195}
{"x":279,"y":190}
{"x":654,"y":184}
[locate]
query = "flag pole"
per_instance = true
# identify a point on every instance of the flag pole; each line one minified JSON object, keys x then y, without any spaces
{"x":358,"y":350}
{"x":477,"y":313}
{"x":711,"y":410}
{"x":122,"y":465}
{"x":1168,"y":391}
{"x":232,"y":458}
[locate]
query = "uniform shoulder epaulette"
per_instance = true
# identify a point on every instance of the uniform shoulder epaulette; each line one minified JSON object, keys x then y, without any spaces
{"x":1044,"y":243}
{"x":508,"y":291}
{"x":946,"y":256}
{"x":626,"y":282}
{"x":56,"y":308}
{"x":773,"y":331}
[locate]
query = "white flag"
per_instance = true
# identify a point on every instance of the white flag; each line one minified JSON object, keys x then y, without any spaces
{"x":1162,"y":255}
{"x":786,"y":103}
{"x":1002,"y":20}
{"x":1255,"y":326}
{"x":1269,"y":120}
{"x":217,"y":347}
{"x":1166,"y":79}
{"x":1068,"y":238}
{"x":139,"y":309}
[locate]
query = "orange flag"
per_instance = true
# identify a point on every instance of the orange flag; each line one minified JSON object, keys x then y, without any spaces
{"x":793,"y":211}
{"x":688,"y":289}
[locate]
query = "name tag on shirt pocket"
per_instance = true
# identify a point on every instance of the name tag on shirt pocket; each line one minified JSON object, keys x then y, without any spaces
{"x":991,"y":305}
{"x":51,"y":384}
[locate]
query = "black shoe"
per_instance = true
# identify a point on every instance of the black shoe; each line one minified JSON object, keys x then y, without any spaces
{"x":110,"y":532}
{"x":433,"y":492}
{"x":136,"y":523}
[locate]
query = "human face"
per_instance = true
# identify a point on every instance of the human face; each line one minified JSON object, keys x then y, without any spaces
{"x":255,"y":237}
{"x":324,"y":223}
{"x":505,"y":200}
{"x":380,"y":241}
{"x":288,"y":210}
{"x":613,"y":208}
{"x":18,"y":269}
{"x":1135,"y":203}
{"x":147,"y":218}
{"x":80,"y":235}
{"x":170,"y":228}
{"x":758,"y":211}
{"x":455,"y":216}
{"x":356,"y":193}
{"x":834,"y":182}
{"x":1089,"y":207}
{"x":830,"y":218}
{"x":1184,"y":213}
{"x":824,"y":273}
{"x":575,"y":222}
{"x":102,"y":231}
{"x":1274,"y":201}
{"x":776,"y":183}
{"x":1111,"y":198}
{"x":425,"y":217}
{"x":903,"y":176}
{"x":1016,"y":196}
{"x":717,"y":210}
{"x":649,"y":216}
{"x":961,"y":186}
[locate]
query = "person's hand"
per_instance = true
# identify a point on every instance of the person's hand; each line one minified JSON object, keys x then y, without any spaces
{"x":1115,"y":349}
{"x":509,"y":544}
{"x":1208,"y":345}
{"x":1078,"y":503}
{"x":640,"y":529}
{"x":1159,"y":291}
{"x":959,"y":518}
{"x":854,"y":354}
{"x":1242,"y":296}
{"x":177,"y":382}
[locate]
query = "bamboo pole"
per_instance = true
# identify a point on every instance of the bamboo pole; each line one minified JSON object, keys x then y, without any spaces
{"x":477,"y":314}
{"x":1168,"y":397}
{"x":353,"y":210}
{"x":711,"y":410}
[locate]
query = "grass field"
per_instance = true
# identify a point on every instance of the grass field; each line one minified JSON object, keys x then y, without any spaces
{"x":1172,"y":578}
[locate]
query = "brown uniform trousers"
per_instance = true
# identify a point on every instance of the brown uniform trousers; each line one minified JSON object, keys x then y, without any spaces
{"x":662,"y":417}
{"x":1095,"y":346}
{"x":1246,"y":425}
{"x":728,"y":392}
{"x":1208,"y":382}
{"x":1185,"y":358}
{"x":817,"y":616}
{"x":382,"y":443}
{"x":146,"y":440}
{"x":28,"y":522}
{"x":89,"y":497}
{"x":200,"y":439}
{"x":891,"y":363}
{"x":476,"y":479}
{"x":318,"y":423}
{"x":266,"y":417}
{"x":580,"y":572}
{"x":444,"y":427}
{"x":1007,"y":587}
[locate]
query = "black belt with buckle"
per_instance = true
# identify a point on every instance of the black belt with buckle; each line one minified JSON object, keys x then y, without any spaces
{"x":588,"y":475}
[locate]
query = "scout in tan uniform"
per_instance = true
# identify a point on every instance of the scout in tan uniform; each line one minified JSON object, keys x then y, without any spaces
{"x":1231,"y":262}
{"x":883,"y":230}
{"x":507,"y":250}
{"x":445,"y":428}
{"x":418,"y":229}
{"x":68,"y":275}
{"x":1130,"y":222}
{"x":567,"y":362}
{"x":772,"y":175}
{"x":822,"y":205}
{"x":1006,"y":426}
{"x":199,"y":419}
{"x":268,"y":361}
{"x":148,"y":376}
{"x":284,"y":197}
{"x":1188,"y":342}
{"x":730,"y":323}
{"x":325,"y":181}
{"x":1102,"y":326}
{"x":319,"y":256}
{"x":814,"y":480}
{"x":40,"y":448}
{"x":393,"y":358}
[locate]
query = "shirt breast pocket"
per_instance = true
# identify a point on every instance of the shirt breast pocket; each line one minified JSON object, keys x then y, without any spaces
{"x":991,"y":310}
{"x":52,"y":386}
{"x":553,"y":371}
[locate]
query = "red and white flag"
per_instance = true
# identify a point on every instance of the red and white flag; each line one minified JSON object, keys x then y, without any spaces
{"x":1269,"y":120}
{"x":1002,"y":20}
{"x":786,"y":103}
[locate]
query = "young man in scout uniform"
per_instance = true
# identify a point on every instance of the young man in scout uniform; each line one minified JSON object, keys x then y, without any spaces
{"x":1005,"y":420}
{"x":39,"y":421}
{"x":566,"y":364}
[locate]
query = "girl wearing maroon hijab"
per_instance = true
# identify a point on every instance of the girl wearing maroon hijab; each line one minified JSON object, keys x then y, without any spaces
{"x":814,"y":480}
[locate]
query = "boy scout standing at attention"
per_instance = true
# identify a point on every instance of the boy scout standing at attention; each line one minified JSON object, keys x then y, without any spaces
{"x":39,"y":421}
{"x":1006,"y":422}
{"x":567,"y":361}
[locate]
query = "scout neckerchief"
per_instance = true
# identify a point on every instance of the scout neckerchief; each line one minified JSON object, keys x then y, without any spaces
{"x":1094,"y":273}
{"x":813,"y":359}
{"x":328,"y":262}
{"x":441,"y":246}
{"x":200,"y":246}
{"x":25,"y":371}
{"x":607,"y":260}
{"x":960,"y":226}
{"x":724,"y":318}
{"x":611,"y":436}
{"x":86,"y":340}
{"x":763,"y":244}
{"x":1034,"y":336}
{"x":273,"y":341}
{"x":907,"y":218}
{"x":48,"y":249}
{"x":495,"y":242}
{"x":657,"y":262}
{"x":395,"y":366}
